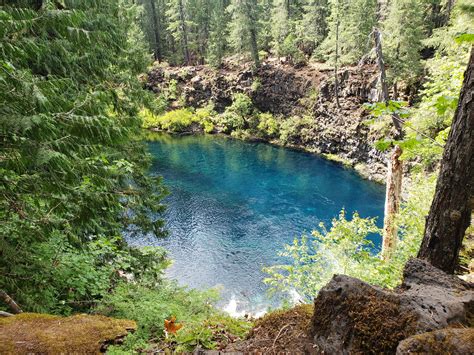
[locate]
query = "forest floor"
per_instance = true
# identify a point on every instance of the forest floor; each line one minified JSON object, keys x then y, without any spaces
{"x":277,"y":332}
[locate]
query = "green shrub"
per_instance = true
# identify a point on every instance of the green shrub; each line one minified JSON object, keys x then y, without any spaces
{"x":205,"y":117}
{"x":268,"y":126}
{"x":241,"y":105}
{"x":203,"y":324}
{"x":230,"y":121}
{"x":290,"y":48}
{"x":208,"y":126}
{"x":344,"y":248}
{"x":296,"y":130}
{"x":256,"y":84}
{"x":172,"y":121}
{"x":242,"y":134}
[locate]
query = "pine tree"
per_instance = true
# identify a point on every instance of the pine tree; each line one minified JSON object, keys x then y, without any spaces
{"x":244,"y":27}
{"x":314,"y":27}
{"x":73,"y":175}
{"x":403,"y":35}
{"x":178,"y":26}
{"x":280,"y":24}
{"x":218,"y":33}
{"x":356,"y":20}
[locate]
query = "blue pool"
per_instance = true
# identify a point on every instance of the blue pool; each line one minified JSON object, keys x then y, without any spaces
{"x":234,"y":204}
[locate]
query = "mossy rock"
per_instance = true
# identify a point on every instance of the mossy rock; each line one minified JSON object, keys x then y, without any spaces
{"x":444,"y":341}
{"x":48,"y":334}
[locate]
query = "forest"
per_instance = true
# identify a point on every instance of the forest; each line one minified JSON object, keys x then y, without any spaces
{"x":313,"y":157}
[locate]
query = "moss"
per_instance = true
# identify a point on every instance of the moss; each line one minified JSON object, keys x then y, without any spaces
{"x":444,"y":341}
{"x":44,"y":333}
{"x":278,"y":331}
{"x":338,"y":159}
{"x":374,"y":323}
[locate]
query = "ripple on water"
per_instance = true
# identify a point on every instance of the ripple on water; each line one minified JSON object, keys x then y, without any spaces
{"x":234,"y":204}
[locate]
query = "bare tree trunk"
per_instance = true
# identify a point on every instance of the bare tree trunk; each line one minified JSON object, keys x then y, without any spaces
{"x":156,"y":31}
{"x":453,"y":202}
{"x":336,"y":80}
{"x":10,"y":302}
{"x":392,"y":203}
{"x":383,"y":81}
{"x":395,"y":166}
{"x":184,"y":31}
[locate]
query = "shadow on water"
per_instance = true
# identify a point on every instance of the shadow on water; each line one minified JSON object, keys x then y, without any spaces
{"x":233,"y":205}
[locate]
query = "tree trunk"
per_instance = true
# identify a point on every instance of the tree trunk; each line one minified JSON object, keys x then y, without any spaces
{"x":252,"y":32}
{"x":156,"y":31}
{"x":453,"y":202}
{"x":10,"y":302}
{"x":254,"y":48}
{"x":336,"y":80}
{"x":395,"y":166}
{"x":383,"y":82}
{"x":184,"y":32}
{"x":392,"y":203}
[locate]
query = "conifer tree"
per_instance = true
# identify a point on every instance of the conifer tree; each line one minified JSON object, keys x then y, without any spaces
{"x":218,"y":33}
{"x":280,"y":24}
{"x":244,"y":27}
{"x":314,"y":27}
{"x":178,"y":26}
{"x":403,"y":35}
{"x":73,"y":175}
{"x":356,"y":20}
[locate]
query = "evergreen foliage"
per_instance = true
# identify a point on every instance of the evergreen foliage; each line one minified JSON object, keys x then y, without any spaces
{"x":73,"y":173}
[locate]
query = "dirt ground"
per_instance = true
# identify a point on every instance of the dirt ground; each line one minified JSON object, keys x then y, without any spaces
{"x":280,"y":332}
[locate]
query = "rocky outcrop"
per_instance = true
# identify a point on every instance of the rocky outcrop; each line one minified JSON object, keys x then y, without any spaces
{"x":31,"y":333}
{"x":286,"y":91}
{"x":352,"y":316}
{"x":445,"y":341}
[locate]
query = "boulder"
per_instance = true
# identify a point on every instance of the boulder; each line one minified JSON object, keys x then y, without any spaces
{"x":445,"y":341}
{"x":352,"y":316}
{"x":32,"y":333}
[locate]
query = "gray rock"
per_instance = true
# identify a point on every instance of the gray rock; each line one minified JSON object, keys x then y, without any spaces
{"x":352,"y":316}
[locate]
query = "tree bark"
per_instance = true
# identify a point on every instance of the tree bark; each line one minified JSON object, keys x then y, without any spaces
{"x":184,"y":31}
{"x":383,"y":82}
{"x":252,"y":33}
{"x":392,"y":203}
{"x":395,"y":166}
{"x":10,"y":302}
{"x":156,"y":31}
{"x":453,"y":202}
{"x":336,"y":80}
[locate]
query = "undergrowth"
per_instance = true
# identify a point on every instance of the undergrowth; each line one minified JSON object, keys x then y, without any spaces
{"x":203,"y":324}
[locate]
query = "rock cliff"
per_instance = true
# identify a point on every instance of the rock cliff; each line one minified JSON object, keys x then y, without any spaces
{"x":282,"y":90}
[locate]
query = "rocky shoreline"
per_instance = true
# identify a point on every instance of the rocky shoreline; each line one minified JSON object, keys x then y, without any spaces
{"x":339,"y":134}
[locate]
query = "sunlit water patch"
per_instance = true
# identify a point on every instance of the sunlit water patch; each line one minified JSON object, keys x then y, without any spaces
{"x":233,"y":205}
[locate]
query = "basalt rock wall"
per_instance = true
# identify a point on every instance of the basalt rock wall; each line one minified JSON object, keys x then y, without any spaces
{"x":287,"y":91}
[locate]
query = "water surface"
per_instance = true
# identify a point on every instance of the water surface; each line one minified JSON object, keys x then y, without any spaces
{"x":233,"y":205}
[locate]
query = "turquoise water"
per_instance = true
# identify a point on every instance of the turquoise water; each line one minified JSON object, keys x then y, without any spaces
{"x":233,"y":205}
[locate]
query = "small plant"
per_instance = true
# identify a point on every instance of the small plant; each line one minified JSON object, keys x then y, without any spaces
{"x":171,"y":92}
{"x":268,"y":126}
{"x":172,"y":121}
{"x":295,"y":129}
{"x":241,"y":105}
{"x":256,"y":85}
{"x":200,"y":323}
{"x":230,"y":121}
